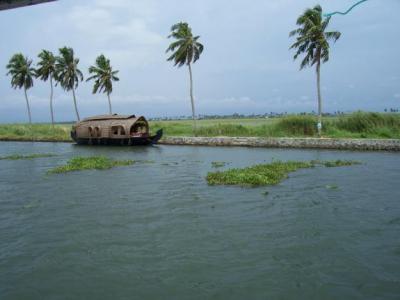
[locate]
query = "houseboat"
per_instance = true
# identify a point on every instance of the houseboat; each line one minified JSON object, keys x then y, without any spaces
{"x":129,"y":130}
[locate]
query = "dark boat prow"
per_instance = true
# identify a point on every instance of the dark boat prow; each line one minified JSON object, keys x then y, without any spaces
{"x":155,"y":138}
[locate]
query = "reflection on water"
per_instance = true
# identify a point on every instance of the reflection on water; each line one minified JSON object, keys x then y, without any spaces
{"x":157,"y":231}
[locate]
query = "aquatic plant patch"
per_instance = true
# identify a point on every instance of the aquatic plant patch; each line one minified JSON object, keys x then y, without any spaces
{"x":340,"y":163}
{"x":90,"y":163}
{"x":266,"y":174}
{"x":218,"y":164}
{"x":29,"y":156}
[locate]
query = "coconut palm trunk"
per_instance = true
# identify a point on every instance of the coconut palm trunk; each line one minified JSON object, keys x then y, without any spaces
{"x":51,"y":101}
{"x":192,"y":98}
{"x":319,"y":126}
{"x":28,"y":107}
{"x":76,"y":107}
{"x":109,"y":103}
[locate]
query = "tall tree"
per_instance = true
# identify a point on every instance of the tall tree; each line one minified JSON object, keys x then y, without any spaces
{"x":67,"y":73}
{"x":186,"y":50}
{"x":21,"y":72}
{"x":46,"y":68}
{"x":103,"y":76}
{"x":312,"y":40}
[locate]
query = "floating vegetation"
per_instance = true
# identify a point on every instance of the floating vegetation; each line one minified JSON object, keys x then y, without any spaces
{"x":29,"y":156}
{"x":263,"y":174}
{"x":171,"y":163}
{"x":340,"y":163}
{"x":331,"y":187}
{"x":89,"y":163}
{"x":266,"y":174}
{"x":145,"y":161}
{"x":218,"y":164}
{"x":32,"y":205}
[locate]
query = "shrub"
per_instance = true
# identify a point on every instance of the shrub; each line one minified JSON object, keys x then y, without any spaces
{"x":362,"y":122}
{"x":298,"y":125}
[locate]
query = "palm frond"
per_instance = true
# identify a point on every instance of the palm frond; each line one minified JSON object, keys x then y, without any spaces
{"x":312,"y":40}
{"x":185,"y":49}
{"x":103,"y":75}
{"x":21,"y":72}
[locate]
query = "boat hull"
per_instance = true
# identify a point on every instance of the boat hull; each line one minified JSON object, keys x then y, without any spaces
{"x":132,"y":141}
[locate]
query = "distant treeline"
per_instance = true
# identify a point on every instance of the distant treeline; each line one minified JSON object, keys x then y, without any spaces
{"x":260,"y":116}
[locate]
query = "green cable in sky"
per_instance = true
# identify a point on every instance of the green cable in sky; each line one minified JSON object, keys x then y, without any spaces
{"x":346,"y":12}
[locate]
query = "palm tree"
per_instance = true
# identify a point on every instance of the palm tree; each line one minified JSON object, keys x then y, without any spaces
{"x":22,"y":75}
{"x":67,"y":72}
{"x":313,"y":40}
{"x":185,"y":50}
{"x":46,"y":70}
{"x":103,"y":76}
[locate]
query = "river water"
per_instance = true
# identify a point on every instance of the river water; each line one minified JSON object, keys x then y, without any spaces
{"x":156,"y":230}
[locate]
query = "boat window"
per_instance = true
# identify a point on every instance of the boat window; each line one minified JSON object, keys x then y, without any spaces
{"x":97,"y":132}
{"x":139,"y":127}
{"x":118,"y":130}
{"x":115,"y":130}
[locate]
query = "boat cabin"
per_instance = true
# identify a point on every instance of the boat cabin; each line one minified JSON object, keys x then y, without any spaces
{"x":112,"y":127}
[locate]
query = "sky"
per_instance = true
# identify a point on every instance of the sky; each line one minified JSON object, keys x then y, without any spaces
{"x":246,"y":66}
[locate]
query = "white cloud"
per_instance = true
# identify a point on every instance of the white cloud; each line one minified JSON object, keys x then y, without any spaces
{"x":119,"y":29}
{"x":397,"y":96}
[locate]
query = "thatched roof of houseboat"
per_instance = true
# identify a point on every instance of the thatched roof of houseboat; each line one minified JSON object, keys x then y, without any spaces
{"x":109,"y":117}
{"x":111,"y":120}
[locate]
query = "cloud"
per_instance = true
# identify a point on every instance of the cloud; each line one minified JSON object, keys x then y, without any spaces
{"x":246,"y":66}
{"x":119,"y":29}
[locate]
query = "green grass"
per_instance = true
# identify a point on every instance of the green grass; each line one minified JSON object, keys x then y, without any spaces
{"x":356,"y":125}
{"x":89,"y":163}
{"x":266,"y":174}
{"x":38,"y":132}
{"x":29,"y":156}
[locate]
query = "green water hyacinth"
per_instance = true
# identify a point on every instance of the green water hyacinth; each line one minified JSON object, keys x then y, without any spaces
{"x":340,"y":163}
{"x":29,"y":156}
{"x":89,"y":163}
{"x":218,"y":164}
{"x":267,"y":174}
{"x":258,"y":175}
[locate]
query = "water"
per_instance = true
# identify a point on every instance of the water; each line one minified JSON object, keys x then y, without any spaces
{"x":157,"y":231}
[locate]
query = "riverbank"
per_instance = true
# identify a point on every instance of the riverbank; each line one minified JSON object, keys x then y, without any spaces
{"x":357,"y":131}
{"x":296,"y":143}
{"x":355,"y":126}
{"x":299,"y":143}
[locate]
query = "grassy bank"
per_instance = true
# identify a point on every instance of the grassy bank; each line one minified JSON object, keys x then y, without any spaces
{"x":38,"y":132}
{"x":356,"y":125}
